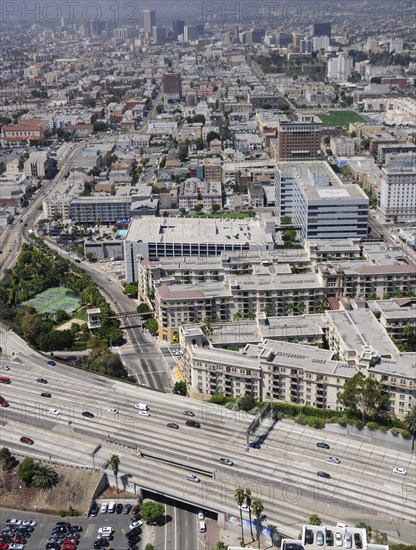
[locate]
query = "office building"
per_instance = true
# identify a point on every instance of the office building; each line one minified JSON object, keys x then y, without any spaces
{"x":398,"y":189}
{"x":319,"y":204}
{"x":172,"y":86}
{"x":320,"y":43}
{"x":190,"y":33}
{"x":298,"y":139}
{"x":322,"y":29}
{"x":396,"y":45}
{"x":149,"y":19}
{"x":159,"y":35}
{"x":340,"y":68}
{"x":178,"y":26}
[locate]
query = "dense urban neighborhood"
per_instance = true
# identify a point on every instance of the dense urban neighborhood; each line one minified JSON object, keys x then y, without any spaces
{"x":208,"y":275}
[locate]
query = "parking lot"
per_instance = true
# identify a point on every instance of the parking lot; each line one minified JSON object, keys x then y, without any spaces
{"x":46,"y":523}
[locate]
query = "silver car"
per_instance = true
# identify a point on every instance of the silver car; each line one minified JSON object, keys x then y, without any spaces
{"x":347,"y":540}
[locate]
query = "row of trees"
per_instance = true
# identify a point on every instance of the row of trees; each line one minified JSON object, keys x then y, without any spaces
{"x":36,"y":475}
{"x":243,"y":496}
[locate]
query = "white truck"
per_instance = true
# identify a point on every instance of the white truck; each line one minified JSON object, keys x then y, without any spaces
{"x":142,"y":406}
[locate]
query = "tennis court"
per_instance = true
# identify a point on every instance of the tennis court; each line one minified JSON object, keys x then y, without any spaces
{"x":53,"y":299}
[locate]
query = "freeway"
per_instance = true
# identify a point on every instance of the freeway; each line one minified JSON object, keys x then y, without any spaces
{"x":282,"y":473}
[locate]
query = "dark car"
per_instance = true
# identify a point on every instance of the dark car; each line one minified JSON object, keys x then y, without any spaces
{"x":46,"y":394}
{"x":63,"y":524}
{"x":77,"y":528}
{"x":94,"y":510}
{"x":26,"y":440}
{"x":254,"y":445}
{"x":329,"y":537}
{"x":193,"y":424}
{"x":357,"y":540}
{"x":87,"y":414}
{"x":323,"y":445}
{"x":3,"y":402}
{"x":323,"y":474}
{"x":100,"y":543}
{"x":136,"y":510}
{"x":126,"y":508}
{"x":308,"y":536}
{"x":188,"y":413}
{"x":53,"y":546}
{"x":173,"y":426}
{"x":51,"y":363}
{"x":119,"y":508}
{"x":41,"y":380}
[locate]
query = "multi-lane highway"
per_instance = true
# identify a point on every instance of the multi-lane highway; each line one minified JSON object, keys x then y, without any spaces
{"x":282,"y":473}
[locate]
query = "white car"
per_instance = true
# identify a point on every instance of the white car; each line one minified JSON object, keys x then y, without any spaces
{"x":105,"y":530}
{"x":4,"y":367}
{"x":14,"y":521}
{"x":54,"y":412}
{"x":201,"y":516}
{"x":104,"y":508}
{"x":144,"y":413}
{"x":30,"y":522}
{"x":333,"y":459}
{"x":113,"y":411}
{"x":400,"y":471}
{"x":245,"y":507}
{"x":134,"y":524}
{"x":338,"y":538}
{"x":193,"y":478}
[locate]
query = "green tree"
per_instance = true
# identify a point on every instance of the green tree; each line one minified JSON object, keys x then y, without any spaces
{"x":151,"y":511}
{"x":131,"y":289}
{"x":114,"y":462}
{"x":149,"y":546}
{"x":143,"y":308}
{"x":220,"y":546}
{"x":365,"y":395}
{"x":100,"y":126}
{"x":212,"y":135}
{"x":151,"y":325}
{"x":159,"y":109}
{"x":314,"y":519}
{"x":286,"y":220}
{"x":215,"y":208}
{"x":180,"y":388}
{"x":198,"y":207}
{"x":237,"y":316}
{"x":26,"y":470}
{"x":239,"y":497}
{"x":379,"y":537}
{"x":410,"y":423}
{"x":248,"y":501}
{"x":45,"y":478}
{"x":258,"y":511}
{"x":247,"y":402}
{"x":268,"y":310}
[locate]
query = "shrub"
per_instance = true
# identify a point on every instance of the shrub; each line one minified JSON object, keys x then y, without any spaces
{"x":406,"y":434}
{"x":62,"y":513}
{"x":372,"y":426}
{"x":395,"y":431}
{"x":315,"y":422}
{"x":301,"y":419}
{"x":343,"y":421}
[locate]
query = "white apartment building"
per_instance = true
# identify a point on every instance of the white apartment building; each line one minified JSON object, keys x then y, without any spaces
{"x":398,"y":189}
{"x":99,"y":208}
{"x":193,"y":191}
{"x":320,"y":205}
{"x":161,"y":126}
{"x":342,"y":146}
{"x":320,"y":43}
{"x":340,"y":68}
{"x":242,"y":296}
{"x":396,"y":45}
{"x":297,"y":373}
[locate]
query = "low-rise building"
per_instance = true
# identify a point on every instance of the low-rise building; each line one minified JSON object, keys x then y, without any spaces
{"x":193,"y":191}
{"x":38,"y":165}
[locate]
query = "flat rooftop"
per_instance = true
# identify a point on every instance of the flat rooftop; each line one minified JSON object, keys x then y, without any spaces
{"x":198,"y":230}
{"x":320,"y":183}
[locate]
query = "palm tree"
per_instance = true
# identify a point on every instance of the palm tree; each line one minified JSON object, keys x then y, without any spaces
{"x":289,"y":308}
{"x":239,"y":496}
{"x":410,"y":423}
{"x":248,"y":501}
{"x":45,"y":478}
{"x":314,"y":519}
{"x":258,"y":510}
{"x":114,"y":462}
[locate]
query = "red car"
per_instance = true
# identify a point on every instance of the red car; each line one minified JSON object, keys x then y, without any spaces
{"x":3,"y":402}
{"x":3,"y":546}
{"x":69,"y":546}
{"x":5,"y":380}
{"x":70,"y":541}
{"x":26,"y":440}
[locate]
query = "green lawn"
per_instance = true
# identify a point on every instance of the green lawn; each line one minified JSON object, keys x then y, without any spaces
{"x":340,"y":118}
{"x":53,"y":299}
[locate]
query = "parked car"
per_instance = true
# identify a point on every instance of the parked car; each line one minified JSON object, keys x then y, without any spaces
{"x":51,"y":363}
{"x":319,"y":538}
{"x":87,"y":414}
{"x":126,"y":508}
{"x":347,"y":540}
{"x":3,"y":402}
{"x":136,"y":523}
{"x":104,"y":508}
{"x":136,"y":510}
{"x":119,"y":508}
{"x":46,"y":394}
{"x":357,"y":540}
{"x":338,"y":538}
{"x":308,"y":536}
{"x":329,"y":537}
